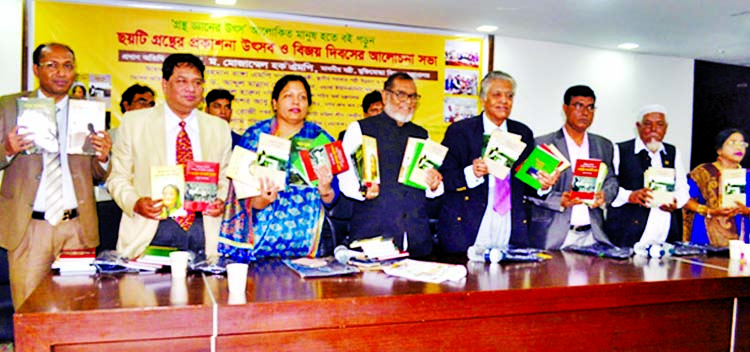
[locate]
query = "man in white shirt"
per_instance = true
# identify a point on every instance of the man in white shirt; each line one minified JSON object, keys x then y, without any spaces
{"x":165,"y":135}
{"x":391,"y":209}
{"x":631,"y":217}
{"x":560,"y":220}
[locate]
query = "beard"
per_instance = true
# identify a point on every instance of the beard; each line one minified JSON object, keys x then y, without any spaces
{"x":403,"y":118}
{"x":653,"y":145}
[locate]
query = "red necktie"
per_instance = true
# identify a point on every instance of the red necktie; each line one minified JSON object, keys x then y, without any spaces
{"x":184,"y":154}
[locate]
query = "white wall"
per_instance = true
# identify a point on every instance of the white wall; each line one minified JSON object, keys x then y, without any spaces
{"x":11,"y":27}
{"x":623,"y":82}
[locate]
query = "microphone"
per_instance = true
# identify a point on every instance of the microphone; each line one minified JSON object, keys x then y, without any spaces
{"x":344,"y":255}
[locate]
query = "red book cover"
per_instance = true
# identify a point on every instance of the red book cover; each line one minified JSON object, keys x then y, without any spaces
{"x":201,"y":184}
{"x":585,"y":176}
{"x":331,"y":154}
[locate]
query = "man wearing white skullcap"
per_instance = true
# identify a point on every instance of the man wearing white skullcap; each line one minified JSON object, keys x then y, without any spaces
{"x":632,"y":216}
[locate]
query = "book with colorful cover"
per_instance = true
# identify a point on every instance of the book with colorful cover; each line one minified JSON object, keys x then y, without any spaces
{"x":75,"y":261}
{"x":85,"y":118}
{"x":272,"y":157}
{"x":201,"y":184}
{"x":661,"y":182}
{"x":418,"y":158}
{"x":588,"y":178}
{"x":239,"y":170}
{"x":732,"y":184}
{"x":323,"y":152}
{"x":365,"y":158}
{"x":564,"y":163}
{"x":538,"y":160}
{"x":156,"y":256}
{"x":502,"y":151}
{"x":37,"y":117}
{"x":168,"y":185}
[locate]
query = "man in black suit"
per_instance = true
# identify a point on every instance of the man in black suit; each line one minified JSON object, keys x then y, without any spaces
{"x":477,"y":209}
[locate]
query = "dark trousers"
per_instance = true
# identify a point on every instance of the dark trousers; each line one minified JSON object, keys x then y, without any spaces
{"x":170,"y":234}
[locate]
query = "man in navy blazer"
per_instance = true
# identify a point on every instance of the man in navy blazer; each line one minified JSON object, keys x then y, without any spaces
{"x":559,"y":220}
{"x":469,"y":214}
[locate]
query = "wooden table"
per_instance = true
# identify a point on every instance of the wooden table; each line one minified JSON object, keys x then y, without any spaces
{"x":570,"y":302}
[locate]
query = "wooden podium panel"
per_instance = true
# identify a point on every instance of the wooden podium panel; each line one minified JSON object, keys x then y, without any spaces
{"x":570,"y":302}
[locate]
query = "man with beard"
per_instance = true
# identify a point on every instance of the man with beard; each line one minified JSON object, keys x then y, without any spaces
{"x":560,"y":220}
{"x":391,"y":209}
{"x":630,"y":218}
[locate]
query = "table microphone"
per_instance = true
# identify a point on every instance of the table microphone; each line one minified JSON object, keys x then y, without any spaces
{"x":344,"y":254}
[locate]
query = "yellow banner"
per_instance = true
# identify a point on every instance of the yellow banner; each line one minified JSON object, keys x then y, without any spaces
{"x":246,"y":56}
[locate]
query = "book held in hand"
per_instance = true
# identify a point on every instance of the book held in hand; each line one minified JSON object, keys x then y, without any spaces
{"x":732,"y":184}
{"x":168,"y":185}
{"x":539,"y":160}
{"x":201,"y":184}
{"x":85,"y":119}
{"x":588,"y":178}
{"x":323,"y":152}
{"x":501,"y":152}
{"x":37,"y":117}
{"x":419,"y":156}
{"x":661,"y":182}
{"x":365,"y":159}
{"x":272,"y":158}
{"x":245,"y":183}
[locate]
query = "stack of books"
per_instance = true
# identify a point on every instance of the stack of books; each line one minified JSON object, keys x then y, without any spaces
{"x":154,"y":257}
{"x":76,"y":261}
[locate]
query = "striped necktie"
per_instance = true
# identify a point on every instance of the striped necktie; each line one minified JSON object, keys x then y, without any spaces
{"x":184,"y":154}
{"x":54,"y":188}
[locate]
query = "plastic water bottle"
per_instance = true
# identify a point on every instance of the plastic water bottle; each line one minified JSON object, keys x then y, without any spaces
{"x":483,"y":254}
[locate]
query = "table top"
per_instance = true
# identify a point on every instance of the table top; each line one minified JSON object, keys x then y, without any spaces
{"x":272,"y":282}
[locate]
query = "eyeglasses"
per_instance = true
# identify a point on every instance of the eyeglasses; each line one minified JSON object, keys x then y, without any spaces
{"x":401,"y":96}
{"x":56,"y":66}
{"x":579,"y":107}
{"x":741,"y":144}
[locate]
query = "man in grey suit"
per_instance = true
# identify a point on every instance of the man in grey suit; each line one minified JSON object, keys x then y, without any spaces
{"x":557,"y":219}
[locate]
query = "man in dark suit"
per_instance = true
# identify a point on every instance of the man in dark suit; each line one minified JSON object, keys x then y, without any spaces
{"x":559,"y":220}
{"x":630,"y":217}
{"x":46,"y":200}
{"x":471,"y":212}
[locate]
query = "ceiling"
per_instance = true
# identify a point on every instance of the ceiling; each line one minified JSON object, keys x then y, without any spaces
{"x":717,"y":30}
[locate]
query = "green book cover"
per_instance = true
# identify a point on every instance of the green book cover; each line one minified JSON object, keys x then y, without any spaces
{"x":538,"y":160}
{"x":413,"y":164}
{"x":159,"y":251}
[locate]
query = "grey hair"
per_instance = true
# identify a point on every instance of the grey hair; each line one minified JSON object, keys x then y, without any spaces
{"x":495,"y":75}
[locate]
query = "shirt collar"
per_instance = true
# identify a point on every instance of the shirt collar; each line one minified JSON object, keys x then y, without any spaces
{"x":174,"y":120}
{"x":569,"y":138}
{"x":489,"y":126}
{"x":60,"y":105}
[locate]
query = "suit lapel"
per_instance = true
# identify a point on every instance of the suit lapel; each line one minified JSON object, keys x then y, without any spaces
{"x":203,"y":126}
{"x":156,"y":135}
